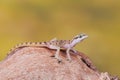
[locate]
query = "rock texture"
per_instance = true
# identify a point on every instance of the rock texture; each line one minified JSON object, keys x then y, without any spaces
{"x":36,"y":63}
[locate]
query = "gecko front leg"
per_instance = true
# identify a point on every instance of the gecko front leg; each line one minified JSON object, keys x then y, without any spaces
{"x":57,"y":54}
{"x":68,"y":54}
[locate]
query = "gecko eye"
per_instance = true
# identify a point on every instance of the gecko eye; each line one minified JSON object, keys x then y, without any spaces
{"x":80,"y":36}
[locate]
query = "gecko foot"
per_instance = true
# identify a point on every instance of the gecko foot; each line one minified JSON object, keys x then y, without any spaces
{"x":69,"y":59}
{"x":59,"y":61}
{"x":57,"y":57}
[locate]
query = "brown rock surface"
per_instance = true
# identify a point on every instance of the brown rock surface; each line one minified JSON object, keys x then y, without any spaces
{"x":36,"y":63}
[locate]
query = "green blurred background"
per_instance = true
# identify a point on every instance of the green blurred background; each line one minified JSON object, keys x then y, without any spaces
{"x":42,"y":20}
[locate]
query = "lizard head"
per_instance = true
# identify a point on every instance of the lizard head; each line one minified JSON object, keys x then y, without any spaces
{"x":78,"y":39}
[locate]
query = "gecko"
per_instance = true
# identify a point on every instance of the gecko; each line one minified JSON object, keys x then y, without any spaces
{"x":67,"y":45}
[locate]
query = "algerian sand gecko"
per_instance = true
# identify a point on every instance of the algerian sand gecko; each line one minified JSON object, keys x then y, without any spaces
{"x":55,"y":44}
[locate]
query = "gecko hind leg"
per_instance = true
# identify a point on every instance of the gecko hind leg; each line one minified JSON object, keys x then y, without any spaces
{"x":57,"y":55}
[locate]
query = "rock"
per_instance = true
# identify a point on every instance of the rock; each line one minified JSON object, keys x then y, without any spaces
{"x":36,"y":63}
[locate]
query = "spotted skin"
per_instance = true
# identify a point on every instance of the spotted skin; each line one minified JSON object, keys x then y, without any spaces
{"x":59,"y":43}
{"x":53,"y":44}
